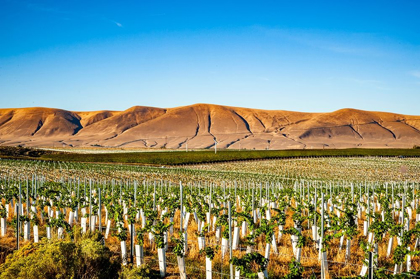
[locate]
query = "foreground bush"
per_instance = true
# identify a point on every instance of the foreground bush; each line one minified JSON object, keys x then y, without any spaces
{"x":85,"y":258}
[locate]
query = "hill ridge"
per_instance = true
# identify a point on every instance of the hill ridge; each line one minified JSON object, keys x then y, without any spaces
{"x":199,"y":125}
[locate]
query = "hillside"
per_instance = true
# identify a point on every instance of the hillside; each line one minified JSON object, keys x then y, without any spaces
{"x":198,"y":125}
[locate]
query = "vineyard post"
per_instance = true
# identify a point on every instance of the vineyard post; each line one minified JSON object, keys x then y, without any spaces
{"x":27,"y":197}
{"x":405,"y":203}
{"x":373,"y":200}
{"x":20,"y":198}
{"x":180,"y":217}
{"x":309,"y":201}
{"x":230,"y":240}
{"x":154,"y":195}
{"x":273,"y":188}
{"x":300,"y":191}
{"x":224,"y":192}
{"x":17,"y":227}
{"x":266,"y":190}
{"x":135,"y":192}
{"x":121,"y":189}
{"x":84,"y":197}
{"x":365,"y":187}
{"x":19,"y":212}
{"x":322,"y":237}
{"x":132,"y":242}
{"x":235,"y":191}
{"x":112,"y":186}
{"x":403,"y":219}
{"x":35,"y":186}
{"x":368,"y":207}
{"x":370,"y":270}
{"x":78,"y":188}
{"x":331,"y":186}
{"x":100,"y":209}
{"x":32,"y":184}
{"x":209,"y":210}
{"x":315,"y":209}
{"x":90,"y":198}
{"x":253,"y":209}
{"x":393,"y":206}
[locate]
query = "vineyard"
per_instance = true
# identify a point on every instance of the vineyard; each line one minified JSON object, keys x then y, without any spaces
{"x":286,"y":218}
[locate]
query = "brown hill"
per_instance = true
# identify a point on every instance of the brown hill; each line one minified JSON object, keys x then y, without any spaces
{"x":199,"y":125}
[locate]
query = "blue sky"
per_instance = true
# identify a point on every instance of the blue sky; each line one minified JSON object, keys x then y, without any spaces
{"x":289,"y":55}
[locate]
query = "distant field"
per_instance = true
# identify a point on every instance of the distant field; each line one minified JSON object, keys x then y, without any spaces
{"x":382,"y":169}
{"x":197,"y":157}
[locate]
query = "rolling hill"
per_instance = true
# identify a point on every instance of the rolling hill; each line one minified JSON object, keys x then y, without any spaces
{"x":199,"y":125}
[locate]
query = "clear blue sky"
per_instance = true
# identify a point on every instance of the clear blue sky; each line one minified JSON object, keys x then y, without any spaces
{"x":291,"y":55}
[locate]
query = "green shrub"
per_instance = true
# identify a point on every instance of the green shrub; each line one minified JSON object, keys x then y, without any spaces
{"x":85,"y":258}
{"x":42,"y":260}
